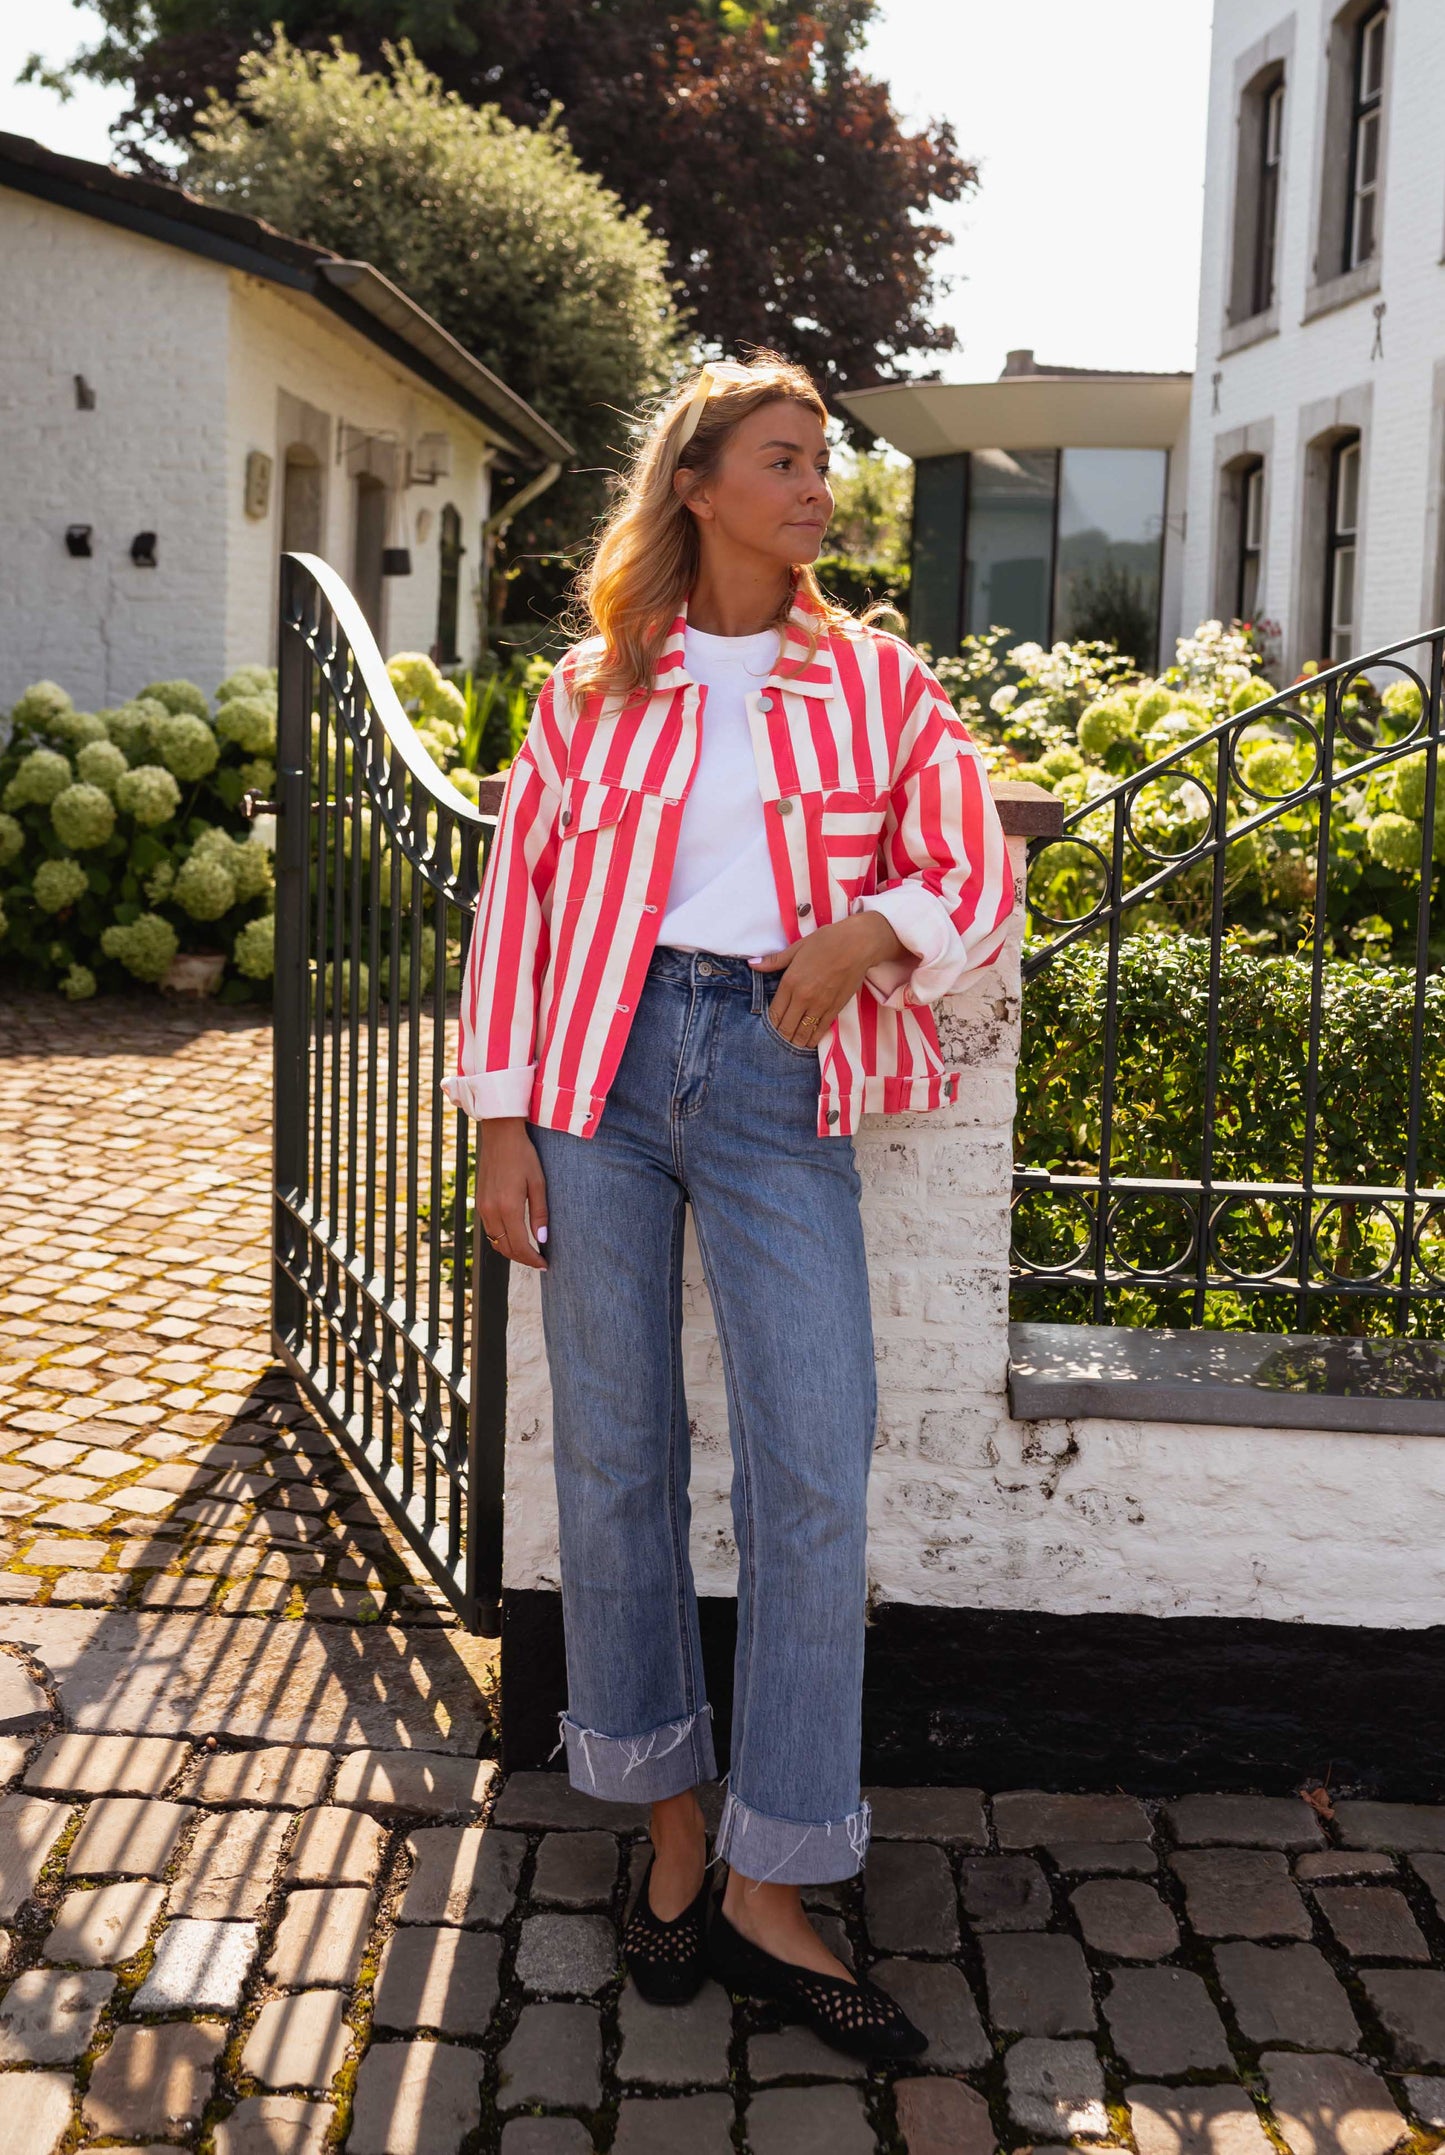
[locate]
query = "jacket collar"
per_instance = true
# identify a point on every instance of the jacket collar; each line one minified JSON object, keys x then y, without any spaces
{"x":818,"y":678}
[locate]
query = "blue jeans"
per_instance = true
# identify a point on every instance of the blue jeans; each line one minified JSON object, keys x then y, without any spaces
{"x":711,"y":1106}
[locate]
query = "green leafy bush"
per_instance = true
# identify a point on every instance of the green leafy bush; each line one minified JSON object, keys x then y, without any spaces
{"x":121,"y":838}
{"x":122,"y":843}
{"x":1078,"y":719}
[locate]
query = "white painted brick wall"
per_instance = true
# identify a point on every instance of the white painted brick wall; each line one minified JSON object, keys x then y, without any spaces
{"x":969,"y":1509}
{"x":146,"y":326}
{"x":1308,"y":361}
{"x":186,"y":359}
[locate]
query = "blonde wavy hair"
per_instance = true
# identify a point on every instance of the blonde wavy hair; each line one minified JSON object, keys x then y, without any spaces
{"x":644,"y":560}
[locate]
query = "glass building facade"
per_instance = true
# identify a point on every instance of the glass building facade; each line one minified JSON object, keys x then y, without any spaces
{"x":1046,"y":543}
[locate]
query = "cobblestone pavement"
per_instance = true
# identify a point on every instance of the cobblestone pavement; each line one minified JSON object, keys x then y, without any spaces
{"x":263,"y":1891}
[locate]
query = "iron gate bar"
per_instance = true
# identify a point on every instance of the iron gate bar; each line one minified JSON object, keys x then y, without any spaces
{"x":1408,"y":1280}
{"x":378,"y":867}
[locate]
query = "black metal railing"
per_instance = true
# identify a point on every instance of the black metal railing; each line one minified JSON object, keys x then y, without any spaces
{"x":377,"y":867}
{"x":1239,"y":1117}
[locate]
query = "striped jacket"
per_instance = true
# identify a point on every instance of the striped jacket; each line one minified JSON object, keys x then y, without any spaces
{"x":875,"y":797}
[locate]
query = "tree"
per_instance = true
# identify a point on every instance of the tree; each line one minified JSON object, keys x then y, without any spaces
{"x":495,"y":229}
{"x":793,"y":202}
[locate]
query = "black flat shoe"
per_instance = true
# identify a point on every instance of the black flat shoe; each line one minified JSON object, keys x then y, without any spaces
{"x":857,"y":2018}
{"x":666,"y":1961}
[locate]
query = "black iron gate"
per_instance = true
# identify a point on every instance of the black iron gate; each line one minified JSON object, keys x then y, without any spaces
{"x":1349,"y":1231}
{"x":388,"y":1308}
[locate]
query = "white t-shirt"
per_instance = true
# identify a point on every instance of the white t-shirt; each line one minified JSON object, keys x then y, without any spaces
{"x":722,"y":896}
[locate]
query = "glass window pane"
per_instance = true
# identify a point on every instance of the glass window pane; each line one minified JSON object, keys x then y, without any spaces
{"x":1347,"y":489}
{"x":1369,"y":151}
{"x":1253,"y":505}
{"x":1274,"y":124}
{"x":938,"y":484}
{"x":1372,"y":56}
{"x":1010,"y":541}
{"x":1343,"y":625}
{"x":1111,"y":529}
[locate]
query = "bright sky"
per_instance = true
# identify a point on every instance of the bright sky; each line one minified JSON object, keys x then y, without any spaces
{"x":1087,"y":122}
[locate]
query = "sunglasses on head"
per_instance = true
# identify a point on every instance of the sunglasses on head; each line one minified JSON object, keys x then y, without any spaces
{"x":721,"y":370}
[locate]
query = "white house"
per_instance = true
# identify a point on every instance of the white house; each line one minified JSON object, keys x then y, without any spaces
{"x":184,"y":394}
{"x":1318,"y":425}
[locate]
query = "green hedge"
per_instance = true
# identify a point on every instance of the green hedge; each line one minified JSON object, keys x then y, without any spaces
{"x":1367,"y":1016}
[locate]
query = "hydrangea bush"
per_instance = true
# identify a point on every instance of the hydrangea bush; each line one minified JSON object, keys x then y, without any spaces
{"x":122,"y":843}
{"x":1079,"y":718}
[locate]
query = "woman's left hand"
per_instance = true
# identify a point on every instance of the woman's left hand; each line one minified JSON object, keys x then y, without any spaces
{"x":823,"y":971}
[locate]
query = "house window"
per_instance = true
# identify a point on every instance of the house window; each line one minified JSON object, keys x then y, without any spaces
{"x":1251,"y":540}
{"x":1041,"y":543}
{"x":1266,"y":230}
{"x":449,"y":582}
{"x":1342,"y":548}
{"x":1257,"y":184}
{"x":1110,"y":548}
{"x":1362,"y":229}
{"x":1009,"y":541}
{"x":940,"y":484}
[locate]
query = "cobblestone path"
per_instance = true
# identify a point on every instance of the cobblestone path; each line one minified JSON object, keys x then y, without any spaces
{"x":261,"y":1887}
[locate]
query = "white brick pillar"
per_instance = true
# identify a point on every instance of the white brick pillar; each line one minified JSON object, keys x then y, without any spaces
{"x":936,"y":1212}
{"x":936,"y":1190}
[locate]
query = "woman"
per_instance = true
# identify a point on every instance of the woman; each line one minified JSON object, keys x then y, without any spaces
{"x":745,"y":843}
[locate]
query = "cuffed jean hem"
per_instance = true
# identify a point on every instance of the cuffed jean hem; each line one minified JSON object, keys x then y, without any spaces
{"x":788,"y":1851}
{"x":639,"y":1769}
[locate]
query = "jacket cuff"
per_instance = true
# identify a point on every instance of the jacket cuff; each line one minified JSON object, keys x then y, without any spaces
{"x":492,"y":1093}
{"x":922,"y":924}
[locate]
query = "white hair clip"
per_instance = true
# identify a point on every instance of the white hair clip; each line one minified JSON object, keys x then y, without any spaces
{"x":721,"y":370}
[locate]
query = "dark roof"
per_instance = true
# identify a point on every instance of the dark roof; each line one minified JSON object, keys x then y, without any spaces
{"x":353,"y":291}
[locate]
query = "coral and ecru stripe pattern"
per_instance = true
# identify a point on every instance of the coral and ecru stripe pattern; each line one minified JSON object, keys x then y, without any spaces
{"x":876,"y":798}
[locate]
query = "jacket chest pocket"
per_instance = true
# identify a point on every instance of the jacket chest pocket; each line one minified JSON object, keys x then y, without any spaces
{"x":850,"y":825}
{"x":587,"y":837}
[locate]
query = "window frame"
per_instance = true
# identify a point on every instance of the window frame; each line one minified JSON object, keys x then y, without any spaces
{"x":1268,"y":181}
{"x":1367,"y":110}
{"x":1250,"y":482}
{"x":1341,"y":541}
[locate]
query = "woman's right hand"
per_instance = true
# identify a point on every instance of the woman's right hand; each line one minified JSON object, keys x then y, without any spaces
{"x":510,"y":1184}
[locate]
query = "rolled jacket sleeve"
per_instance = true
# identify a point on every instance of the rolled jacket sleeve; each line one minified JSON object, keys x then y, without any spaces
{"x":945,"y":886}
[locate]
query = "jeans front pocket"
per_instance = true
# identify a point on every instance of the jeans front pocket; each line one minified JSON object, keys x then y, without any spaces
{"x":806,"y":1054}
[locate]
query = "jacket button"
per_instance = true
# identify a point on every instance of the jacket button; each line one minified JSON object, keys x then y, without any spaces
{"x":785,"y":808}
{"x":832,"y":1115}
{"x":804,"y":909}
{"x":566,"y":816}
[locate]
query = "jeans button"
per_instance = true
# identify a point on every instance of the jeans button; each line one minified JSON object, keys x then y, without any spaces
{"x":704,"y":967}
